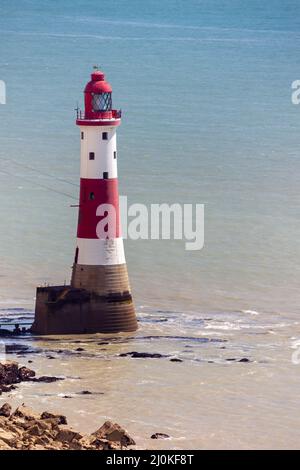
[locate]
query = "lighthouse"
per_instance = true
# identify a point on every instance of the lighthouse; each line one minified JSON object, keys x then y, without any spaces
{"x":98,"y":299}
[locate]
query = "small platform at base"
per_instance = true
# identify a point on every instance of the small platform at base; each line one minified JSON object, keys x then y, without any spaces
{"x":64,"y":310}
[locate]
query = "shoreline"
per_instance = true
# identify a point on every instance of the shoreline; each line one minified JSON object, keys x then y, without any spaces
{"x":26,"y":429}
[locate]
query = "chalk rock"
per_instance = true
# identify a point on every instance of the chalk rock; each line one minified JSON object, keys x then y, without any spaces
{"x":114,"y":432}
{"x":26,"y":413}
{"x":66,"y":434}
{"x":8,"y":437}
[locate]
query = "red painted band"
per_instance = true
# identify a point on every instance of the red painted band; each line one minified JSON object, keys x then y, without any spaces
{"x":94,"y":193}
{"x":97,"y":122}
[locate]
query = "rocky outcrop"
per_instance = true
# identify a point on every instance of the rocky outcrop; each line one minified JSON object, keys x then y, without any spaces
{"x":26,"y":430}
{"x":11,"y":374}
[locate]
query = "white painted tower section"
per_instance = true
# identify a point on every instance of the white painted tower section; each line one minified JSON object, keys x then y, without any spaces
{"x":105,"y":152}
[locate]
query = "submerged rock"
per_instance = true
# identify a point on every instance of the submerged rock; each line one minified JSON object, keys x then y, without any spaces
{"x":46,"y":379}
{"x":136,"y":354}
{"x":160,"y":435}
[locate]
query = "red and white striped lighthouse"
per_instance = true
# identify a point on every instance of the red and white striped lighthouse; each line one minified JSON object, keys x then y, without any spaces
{"x":99,"y":297}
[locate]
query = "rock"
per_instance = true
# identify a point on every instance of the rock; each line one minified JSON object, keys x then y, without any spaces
{"x":26,"y":430}
{"x":4,"y":445}
{"x":35,"y":430}
{"x":114,"y":432}
{"x":160,"y":435}
{"x":244,"y":359}
{"x":136,"y":354}
{"x":25,"y":374}
{"x":8,"y":437}
{"x":5,"y":410}
{"x":7,"y":388}
{"x":61,"y":419}
{"x":46,"y":379}
{"x":79,"y":349}
{"x":66,"y":434}
{"x":26,"y":413}
{"x":85,"y":392}
{"x":9,"y":373}
{"x":176,"y":359}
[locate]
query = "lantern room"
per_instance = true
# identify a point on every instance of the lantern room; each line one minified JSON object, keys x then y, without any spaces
{"x":98,"y":100}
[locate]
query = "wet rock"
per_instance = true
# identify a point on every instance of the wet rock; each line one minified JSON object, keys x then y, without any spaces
{"x":136,"y":354}
{"x":160,"y":435}
{"x":7,"y":388}
{"x":231,"y":359}
{"x":46,"y":379}
{"x":244,"y":359}
{"x":5,"y":410}
{"x":176,"y":359}
{"x":114,"y":432}
{"x":60,"y":419}
{"x":25,"y":374}
{"x":4,"y":333}
{"x":9,"y":373}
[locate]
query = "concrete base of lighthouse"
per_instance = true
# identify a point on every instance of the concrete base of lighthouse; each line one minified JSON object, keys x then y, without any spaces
{"x":68,"y":310}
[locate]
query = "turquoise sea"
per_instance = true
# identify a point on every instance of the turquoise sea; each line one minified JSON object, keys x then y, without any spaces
{"x":205,"y":90}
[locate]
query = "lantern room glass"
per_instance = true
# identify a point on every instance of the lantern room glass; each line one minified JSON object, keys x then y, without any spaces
{"x":102,"y":102}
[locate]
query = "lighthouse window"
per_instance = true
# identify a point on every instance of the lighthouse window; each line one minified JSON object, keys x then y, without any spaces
{"x":92,"y":196}
{"x":104,"y":135}
{"x":105,"y":175}
{"x":115,"y":154}
{"x":92,"y":156}
{"x":82,"y":135}
{"x":76,"y":255}
{"x":102,"y":102}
